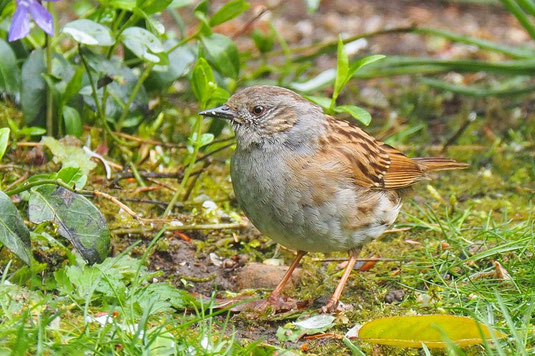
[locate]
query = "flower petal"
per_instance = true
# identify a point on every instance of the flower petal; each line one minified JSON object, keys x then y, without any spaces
{"x":42,"y":17}
{"x":20,"y":25}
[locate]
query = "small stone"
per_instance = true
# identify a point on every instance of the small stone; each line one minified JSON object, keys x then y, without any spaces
{"x":258,"y":275}
{"x":394,"y":295}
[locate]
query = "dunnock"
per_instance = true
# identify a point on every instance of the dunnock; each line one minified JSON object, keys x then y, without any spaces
{"x":311,"y":182}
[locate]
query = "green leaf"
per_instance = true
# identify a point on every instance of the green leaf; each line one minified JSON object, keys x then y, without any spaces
{"x":13,"y":233}
{"x":4,"y":139}
{"x":73,"y":121}
{"x":160,"y":297}
{"x":69,"y":156}
{"x":72,"y":176}
{"x":322,"y":101}
{"x":201,"y":77}
{"x":77,"y":218}
{"x":153,"y":6}
{"x":89,"y":32}
{"x":342,"y":70}
{"x":426,"y":329}
{"x":363,"y":62}
{"x":206,"y":139}
{"x":9,"y":71}
{"x":313,"y":325}
{"x":358,"y":113}
{"x":33,"y":90}
{"x":74,"y":85}
{"x":144,"y":45}
{"x":263,"y":42}
{"x":31,"y":131}
{"x":180,"y":62}
{"x":228,"y":11}
{"x":128,"y":5}
{"x":222,"y":53}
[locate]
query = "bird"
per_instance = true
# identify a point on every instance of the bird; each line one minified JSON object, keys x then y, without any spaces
{"x":314,"y":183}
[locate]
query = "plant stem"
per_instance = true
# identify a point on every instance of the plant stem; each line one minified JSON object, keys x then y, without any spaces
{"x":30,"y":185}
{"x":189,"y":169}
{"x":49,"y":97}
{"x":101,"y":115}
{"x":132,"y":97}
{"x":183,"y":41}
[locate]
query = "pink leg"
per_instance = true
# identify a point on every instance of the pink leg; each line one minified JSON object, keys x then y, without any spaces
{"x":333,"y":301}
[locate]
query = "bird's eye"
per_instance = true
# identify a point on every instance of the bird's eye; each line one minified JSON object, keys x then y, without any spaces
{"x":257,"y":110}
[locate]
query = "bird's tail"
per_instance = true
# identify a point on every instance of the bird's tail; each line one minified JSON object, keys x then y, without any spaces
{"x":430,"y":164}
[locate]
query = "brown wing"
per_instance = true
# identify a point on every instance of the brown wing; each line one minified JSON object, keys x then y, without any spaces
{"x":373,"y":163}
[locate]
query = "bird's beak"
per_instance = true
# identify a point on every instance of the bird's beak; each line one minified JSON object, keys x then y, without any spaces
{"x":221,"y":112}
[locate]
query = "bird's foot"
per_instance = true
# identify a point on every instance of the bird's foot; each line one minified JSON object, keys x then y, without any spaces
{"x":333,"y":306}
{"x":330,"y":307}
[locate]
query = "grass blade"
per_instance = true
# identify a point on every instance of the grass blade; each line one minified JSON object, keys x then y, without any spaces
{"x":520,"y":15}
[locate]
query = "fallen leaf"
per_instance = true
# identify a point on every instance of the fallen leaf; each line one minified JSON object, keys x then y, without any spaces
{"x":431,"y":330}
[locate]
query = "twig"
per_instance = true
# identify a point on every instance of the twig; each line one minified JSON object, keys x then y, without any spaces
{"x":401,"y":229}
{"x":161,"y":184}
{"x":152,"y":201}
{"x":470,"y":118}
{"x":194,"y":180}
{"x":143,"y":230}
{"x":119,"y":204}
{"x":248,"y":24}
{"x":139,"y":139}
{"x":215,"y":151}
{"x":342,"y":259}
{"x":21,"y":179}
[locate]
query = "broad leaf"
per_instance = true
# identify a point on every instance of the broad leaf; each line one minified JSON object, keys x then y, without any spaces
{"x":73,"y":121}
{"x":342,"y":69}
{"x":89,"y":32}
{"x":413,"y":330}
{"x":153,"y":6}
{"x":74,"y":85}
{"x":180,"y":63}
{"x":13,"y":233}
{"x":69,"y":156}
{"x":72,"y":176}
{"x":201,"y":78}
{"x":9,"y":71}
{"x":222,"y":53}
{"x":4,"y":139}
{"x":144,"y":45}
{"x":31,"y":131}
{"x":33,"y":91}
{"x":228,"y":11}
{"x":364,"y":62}
{"x":128,"y":5}
{"x":313,"y":325}
{"x":77,"y":218}
{"x":358,"y":113}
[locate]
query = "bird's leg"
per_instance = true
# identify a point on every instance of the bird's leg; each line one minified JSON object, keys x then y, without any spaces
{"x":273,"y":298}
{"x":333,"y":301}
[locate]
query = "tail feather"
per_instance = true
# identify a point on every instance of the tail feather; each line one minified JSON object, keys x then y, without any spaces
{"x":430,"y":164}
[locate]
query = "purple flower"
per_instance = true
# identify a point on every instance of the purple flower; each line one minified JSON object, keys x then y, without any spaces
{"x":20,"y":26}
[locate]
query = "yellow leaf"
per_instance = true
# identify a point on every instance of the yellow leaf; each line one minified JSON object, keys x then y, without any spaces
{"x":413,"y":330}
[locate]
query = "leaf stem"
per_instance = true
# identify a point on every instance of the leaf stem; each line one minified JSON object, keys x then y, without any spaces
{"x":30,"y":185}
{"x":101,"y":115}
{"x":132,"y":97}
{"x":49,"y":96}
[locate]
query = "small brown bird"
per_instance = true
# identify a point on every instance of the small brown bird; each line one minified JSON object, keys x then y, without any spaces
{"x":313,"y":183}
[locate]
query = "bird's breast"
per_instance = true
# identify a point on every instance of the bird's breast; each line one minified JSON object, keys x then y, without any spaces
{"x":303,"y":210}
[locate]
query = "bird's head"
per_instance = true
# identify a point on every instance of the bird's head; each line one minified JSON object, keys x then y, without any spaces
{"x":269,"y":116}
